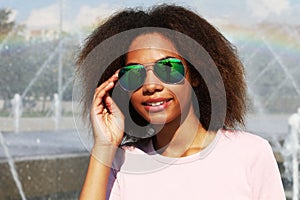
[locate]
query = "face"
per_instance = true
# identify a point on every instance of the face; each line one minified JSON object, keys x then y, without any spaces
{"x":156,"y":101}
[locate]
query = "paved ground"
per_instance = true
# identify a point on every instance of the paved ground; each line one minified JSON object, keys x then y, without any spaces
{"x":36,"y":124}
{"x":41,"y":144}
{"x":37,"y":136}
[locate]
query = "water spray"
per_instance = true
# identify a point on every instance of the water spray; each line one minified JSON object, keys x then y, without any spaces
{"x":294,"y":127}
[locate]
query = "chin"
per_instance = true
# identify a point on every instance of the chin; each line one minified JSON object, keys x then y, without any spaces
{"x":159,"y":120}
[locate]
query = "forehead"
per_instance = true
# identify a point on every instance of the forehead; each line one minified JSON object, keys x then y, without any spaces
{"x":150,"y":47}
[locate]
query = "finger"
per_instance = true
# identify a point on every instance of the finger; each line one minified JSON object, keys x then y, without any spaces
{"x":113,"y":78}
{"x":99,"y":109}
{"x":99,"y":94}
{"x":105,"y":86}
{"x":112,"y":106}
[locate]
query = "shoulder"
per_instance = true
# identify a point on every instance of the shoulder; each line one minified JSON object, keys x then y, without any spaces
{"x":244,"y":145}
{"x":255,"y":155}
{"x":243,"y":138}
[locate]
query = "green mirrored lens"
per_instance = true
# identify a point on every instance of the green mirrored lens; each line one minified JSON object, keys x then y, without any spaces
{"x":170,"y":70}
{"x":132,"y":77}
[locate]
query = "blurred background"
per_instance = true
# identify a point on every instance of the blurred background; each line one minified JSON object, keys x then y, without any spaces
{"x":41,"y":153}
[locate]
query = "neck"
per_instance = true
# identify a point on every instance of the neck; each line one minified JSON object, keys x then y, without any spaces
{"x":180,"y":138}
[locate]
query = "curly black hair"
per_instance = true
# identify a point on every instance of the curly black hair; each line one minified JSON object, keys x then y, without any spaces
{"x":187,"y":22}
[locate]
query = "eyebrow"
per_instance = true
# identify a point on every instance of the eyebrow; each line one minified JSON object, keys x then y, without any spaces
{"x":132,"y":63}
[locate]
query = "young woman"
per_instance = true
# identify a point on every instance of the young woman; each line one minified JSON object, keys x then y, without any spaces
{"x":164,"y":91}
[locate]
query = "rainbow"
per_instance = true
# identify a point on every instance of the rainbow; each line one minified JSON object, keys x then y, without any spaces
{"x":279,"y":36}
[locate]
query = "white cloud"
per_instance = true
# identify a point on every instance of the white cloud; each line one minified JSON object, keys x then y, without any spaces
{"x":46,"y":17}
{"x":89,"y":15}
{"x":263,"y":8}
{"x":220,"y":12}
{"x":244,"y":11}
{"x":249,"y":12}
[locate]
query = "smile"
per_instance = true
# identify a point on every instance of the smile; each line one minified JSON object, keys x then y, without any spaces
{"x":157,"y":105}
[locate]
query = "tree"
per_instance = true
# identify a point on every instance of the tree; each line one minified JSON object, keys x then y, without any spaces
{"x":6,"y":26}
{"x":10,"y":38}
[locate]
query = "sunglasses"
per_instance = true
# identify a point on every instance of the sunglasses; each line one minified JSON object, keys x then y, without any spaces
{"x":168,"y":70}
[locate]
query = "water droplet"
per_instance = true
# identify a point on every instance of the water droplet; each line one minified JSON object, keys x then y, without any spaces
{"x":29,"y":178}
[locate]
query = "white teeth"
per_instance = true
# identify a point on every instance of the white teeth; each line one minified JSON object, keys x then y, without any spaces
{"x":155,"y":103}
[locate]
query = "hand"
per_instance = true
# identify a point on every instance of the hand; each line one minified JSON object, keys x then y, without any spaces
{"x":107,"y":119}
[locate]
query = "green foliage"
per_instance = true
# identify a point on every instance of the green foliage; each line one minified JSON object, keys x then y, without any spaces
{"x":5,"y":25}
{"x":8,"y":27}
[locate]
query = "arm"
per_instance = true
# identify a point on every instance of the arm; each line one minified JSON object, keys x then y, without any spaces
{"x":108,"y":128}
{"x":95,"y":184}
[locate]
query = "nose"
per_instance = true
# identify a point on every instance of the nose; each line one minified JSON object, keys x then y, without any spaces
{"x":152,"y":84}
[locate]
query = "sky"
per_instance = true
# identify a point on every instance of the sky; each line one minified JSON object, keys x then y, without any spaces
{"x":78,"y":13}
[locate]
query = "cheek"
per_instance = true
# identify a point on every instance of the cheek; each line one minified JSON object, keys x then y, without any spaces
{"x":183,"y":95}
{"x":134,"y":99}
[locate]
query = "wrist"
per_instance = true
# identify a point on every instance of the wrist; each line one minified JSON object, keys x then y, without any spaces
{"x":104,"y":153}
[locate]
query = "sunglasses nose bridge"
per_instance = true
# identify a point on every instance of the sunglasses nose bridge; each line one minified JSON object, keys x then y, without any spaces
{"x":151,"y":77}
{"x":149,"y":66}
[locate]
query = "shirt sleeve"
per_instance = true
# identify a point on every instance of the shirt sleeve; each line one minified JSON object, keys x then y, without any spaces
{"x":265,"y":176}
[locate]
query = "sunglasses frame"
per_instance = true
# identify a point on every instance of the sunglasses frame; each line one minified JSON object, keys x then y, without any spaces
{"x":146,"y":66}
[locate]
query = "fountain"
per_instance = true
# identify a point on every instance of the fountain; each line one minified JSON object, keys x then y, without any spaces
{"x":40,"y":164}
{"x":291,"y":152}
{"x":17,"y":111}
{"x":57,"y":111}
{"x":12,"y":168}
{"x":40,"y":71}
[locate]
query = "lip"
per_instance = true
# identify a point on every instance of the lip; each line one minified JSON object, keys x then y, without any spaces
{"x":155,"y":100}
{"x":165,"y":102}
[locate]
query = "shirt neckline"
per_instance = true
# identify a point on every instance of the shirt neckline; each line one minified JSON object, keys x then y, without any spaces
{"x":187,"y":159}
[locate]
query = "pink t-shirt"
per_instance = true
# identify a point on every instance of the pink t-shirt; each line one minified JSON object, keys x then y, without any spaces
{"x":235,"y":166}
